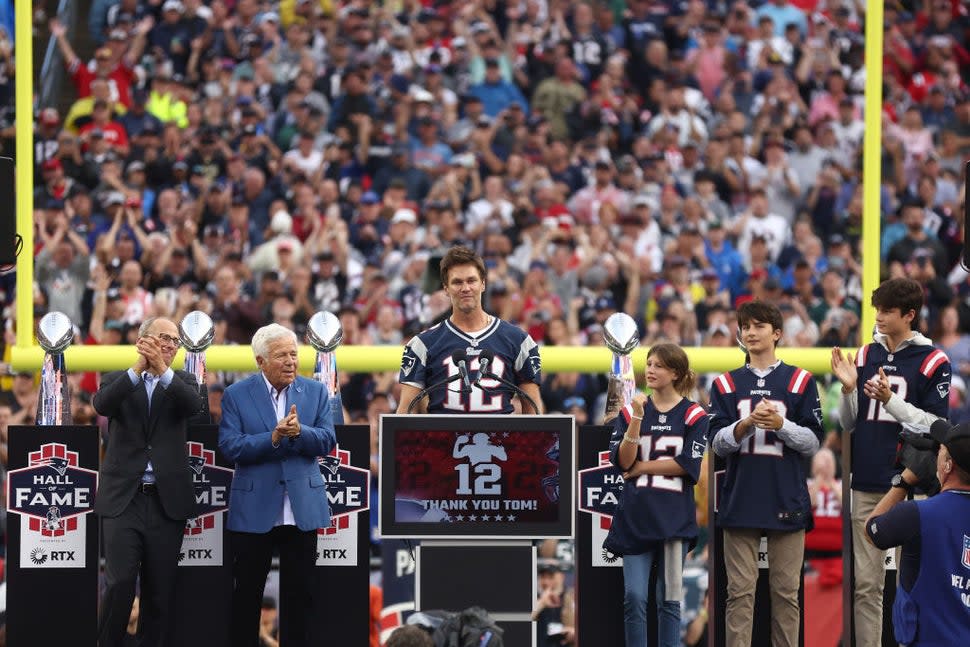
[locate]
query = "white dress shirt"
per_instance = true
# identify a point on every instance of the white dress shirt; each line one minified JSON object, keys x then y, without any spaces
{"x":278,"y":398}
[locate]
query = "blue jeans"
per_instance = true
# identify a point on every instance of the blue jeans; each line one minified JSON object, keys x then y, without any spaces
{"x":636,"y":580}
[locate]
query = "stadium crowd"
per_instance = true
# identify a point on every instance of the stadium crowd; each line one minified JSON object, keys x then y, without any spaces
{"x":261,"y":161}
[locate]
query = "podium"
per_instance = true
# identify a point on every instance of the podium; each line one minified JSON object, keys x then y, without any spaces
{"x":204,"y":582}
{"x":52,"y":537}
{"x":599,"y":573}
{"x":477,"y":490}
{"x":342,"y":573}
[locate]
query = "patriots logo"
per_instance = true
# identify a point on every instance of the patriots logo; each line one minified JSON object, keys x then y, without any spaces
{"x":943,"y":388}
{"x":407,"y":364}
{"x":535,"y":363}
{"x":197,"y":463}
{"x":331,"y":463}
{"x":966,"y":552}
{"x":56,"y":463}
{"x":818,"y":414}
{"x":53,"y":521}
{"x":697,"y":450}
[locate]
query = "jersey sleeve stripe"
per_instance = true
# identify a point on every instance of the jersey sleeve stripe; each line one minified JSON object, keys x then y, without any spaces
{"x":860,"y":358}
{"x":932,"y":362}
{"x":695,"y":412}
{"x":799,"y":381}
{"x":724,"y":383}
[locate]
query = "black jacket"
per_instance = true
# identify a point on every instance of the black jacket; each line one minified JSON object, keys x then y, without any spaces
{"x":134,"y":438}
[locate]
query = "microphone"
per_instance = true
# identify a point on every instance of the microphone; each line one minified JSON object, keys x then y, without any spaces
{"x":459,"y":358}
{"x":484,"y":365}
{"x":485,"y":371}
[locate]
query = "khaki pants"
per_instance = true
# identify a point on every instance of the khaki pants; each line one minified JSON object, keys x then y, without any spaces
{"x":869,"y":572}
{"x":786,"y":552}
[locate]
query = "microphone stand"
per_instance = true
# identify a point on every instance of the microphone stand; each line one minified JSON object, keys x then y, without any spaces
{"x":428,"y":389}
{"x":515,"y":388}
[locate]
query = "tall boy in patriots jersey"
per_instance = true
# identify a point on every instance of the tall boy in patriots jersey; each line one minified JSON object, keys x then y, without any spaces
{"x":428,"y":357}
{"x":765,"y":419}
{"x":899,"y":378}
{"x":658,"y":443}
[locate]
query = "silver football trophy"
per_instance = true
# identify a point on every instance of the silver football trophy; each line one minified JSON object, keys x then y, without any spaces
{"x":621,"y":336}
{"x":325,"y":333}
{"x":196,"y":332}
{"x":55,"y":332}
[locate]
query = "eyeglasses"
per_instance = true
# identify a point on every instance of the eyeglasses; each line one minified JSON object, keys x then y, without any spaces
{"x":167,"y":340}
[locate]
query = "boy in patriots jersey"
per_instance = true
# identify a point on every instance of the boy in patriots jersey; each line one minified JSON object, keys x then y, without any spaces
{"x":765,"y":421}
{"x":658,"y":443}
{"x":429,"y":357}
{"x":900,"y":378}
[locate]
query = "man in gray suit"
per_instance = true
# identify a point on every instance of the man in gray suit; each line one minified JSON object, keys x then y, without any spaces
{"x":145,"y":492}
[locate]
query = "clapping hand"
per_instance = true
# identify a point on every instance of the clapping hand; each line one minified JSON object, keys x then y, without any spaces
{"x":877,"y":387}
{"x":149,"y":357}
{"x":766,"y":416}
{"x":843,"y":366}
{"x":289,"y":426}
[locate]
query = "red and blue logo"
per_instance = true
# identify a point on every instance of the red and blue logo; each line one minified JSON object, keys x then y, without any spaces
{"x":966,"y":552}
{"x":348,"y":489}
{"x":211,"y":483}
{"x":52,"y":491}
{"x":600,"y":489}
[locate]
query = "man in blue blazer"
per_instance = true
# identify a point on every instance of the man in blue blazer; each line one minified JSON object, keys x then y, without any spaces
{"x":274,"y":426}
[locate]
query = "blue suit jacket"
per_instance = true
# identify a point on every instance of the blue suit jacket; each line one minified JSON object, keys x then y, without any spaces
{"x":264,"y":472}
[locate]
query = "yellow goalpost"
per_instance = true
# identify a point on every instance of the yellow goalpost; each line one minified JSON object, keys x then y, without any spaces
{"x":27,"y":356}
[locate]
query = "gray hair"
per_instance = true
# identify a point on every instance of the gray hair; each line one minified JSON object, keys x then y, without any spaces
{"x":267,"y":335}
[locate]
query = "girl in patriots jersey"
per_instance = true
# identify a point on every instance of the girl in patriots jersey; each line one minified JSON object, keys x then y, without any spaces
{"x":658,"y":443}
{"x":766,"y":419}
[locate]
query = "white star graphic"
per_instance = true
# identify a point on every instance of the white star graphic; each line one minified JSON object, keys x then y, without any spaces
{"x":460,"y":518}
{"x":511,"y":517}
{"x":472,"y":518}
{"x":498,"y":517}
{"x":485,"y":517}
{"x":505,"y":434}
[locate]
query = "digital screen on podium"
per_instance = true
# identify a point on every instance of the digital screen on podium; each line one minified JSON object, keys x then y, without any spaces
{"x":476,"y":476}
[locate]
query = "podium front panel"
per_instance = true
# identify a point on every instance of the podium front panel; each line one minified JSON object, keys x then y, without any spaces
{"x":52,"y":535}
{"x":342,"y":575}
{"x":599,"y":574}
{"x":498,"y":576}
{"x":204,"y":581}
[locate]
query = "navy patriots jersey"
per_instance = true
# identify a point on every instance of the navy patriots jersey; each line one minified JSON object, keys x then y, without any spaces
{"x":920,"y":375}
{"x":764,"y":485}
{"x":427,"y":360}
{"x":655,"y":508}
